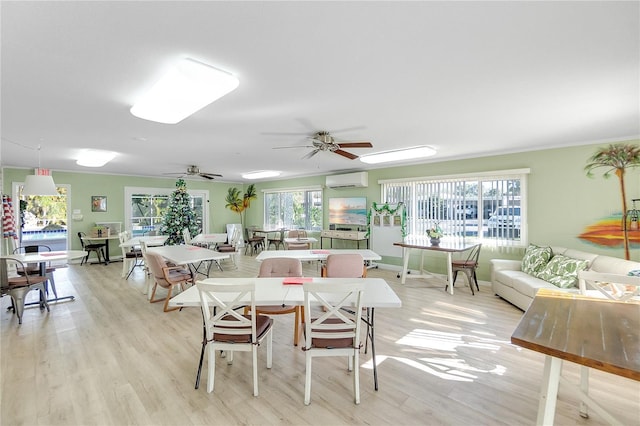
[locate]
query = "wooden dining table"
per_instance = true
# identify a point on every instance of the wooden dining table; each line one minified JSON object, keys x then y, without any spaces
{"x":597,"y":333}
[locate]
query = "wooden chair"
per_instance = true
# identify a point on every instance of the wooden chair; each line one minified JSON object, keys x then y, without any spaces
{"x":302,"y":245}
{"x":349,"y":265}
{"x":277,"y":241}
{"x":254,"y":242}
{"x":89,"y":247}
{"x":167,"y":277}
{"x":282,"y":267}
{"x":227,"y":330}
{"x":17,"y":286}
{"x":467,"y":266}
{"x":336,"y":332}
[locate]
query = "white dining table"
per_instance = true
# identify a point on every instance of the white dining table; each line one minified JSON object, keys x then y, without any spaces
{"x":273,"y":291}
{"x":42,"y":258}
{"x":209,"y":239}
{"x":186,"y":254}
{"x":316,"y":254}
{"x":149,"y":240}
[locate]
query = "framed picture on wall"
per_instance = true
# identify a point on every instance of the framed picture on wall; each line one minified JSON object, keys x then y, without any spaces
{"x":98,"y":203}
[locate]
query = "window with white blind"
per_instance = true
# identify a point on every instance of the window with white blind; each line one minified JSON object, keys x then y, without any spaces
{"x":486,"y":206}
{"x":293,"y":208}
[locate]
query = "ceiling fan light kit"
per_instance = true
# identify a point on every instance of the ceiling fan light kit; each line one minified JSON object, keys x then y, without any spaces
{"x":195,"y":171}
{"x":412,"y":153}
{"x":323,"y":141}
{"x":186,"y":88}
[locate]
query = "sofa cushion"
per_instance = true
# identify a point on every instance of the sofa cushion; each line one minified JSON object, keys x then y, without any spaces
{"x":562,"y":271}
{"x":529,"y":285}
{"x":535,"y":258}
{"x":507,"y":276}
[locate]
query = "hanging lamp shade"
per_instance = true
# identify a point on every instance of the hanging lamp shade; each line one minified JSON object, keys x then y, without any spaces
{"x":39,"y":185}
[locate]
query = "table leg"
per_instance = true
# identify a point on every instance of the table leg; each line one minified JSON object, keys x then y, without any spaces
{"x":106,"y":252}
{"x":204,"y":347}
{"x":43,"y":272}
{"x":450,"y":273}
{"x":373,"y":348}
{"x":549,"y":390}
{"x":405,"y":263}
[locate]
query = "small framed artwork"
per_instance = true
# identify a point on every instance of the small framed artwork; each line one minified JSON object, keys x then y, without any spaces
{"x":98,"y":203}
{"x":376,"y":220}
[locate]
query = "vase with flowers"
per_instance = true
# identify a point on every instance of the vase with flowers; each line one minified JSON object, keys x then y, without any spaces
{"x":435,"y":233}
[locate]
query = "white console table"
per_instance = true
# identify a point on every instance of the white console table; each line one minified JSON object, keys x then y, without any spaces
{"x":356,"y":236}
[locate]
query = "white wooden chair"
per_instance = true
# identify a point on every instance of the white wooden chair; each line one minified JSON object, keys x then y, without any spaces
{"x":336,"y":332}
{"x":612,"y":286}
{"x":229,"y":331}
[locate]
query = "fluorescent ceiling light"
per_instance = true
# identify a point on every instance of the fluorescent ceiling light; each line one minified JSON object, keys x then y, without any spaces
{"x":188,"y":87}
{"x":398,"y":155}
{"x":39,"y":185}
{"x":95,"y":158}
{"x":261,"y":174}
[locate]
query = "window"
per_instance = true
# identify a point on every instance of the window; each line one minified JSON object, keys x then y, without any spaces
{"x":488,"y":206}
{"x":293,"y":209}
{"x":145,"y":208}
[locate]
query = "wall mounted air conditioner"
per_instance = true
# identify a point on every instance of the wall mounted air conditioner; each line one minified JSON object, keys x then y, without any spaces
{"x":349,"y":180}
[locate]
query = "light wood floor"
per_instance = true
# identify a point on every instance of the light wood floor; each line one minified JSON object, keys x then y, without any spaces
{"x":112,"y":358}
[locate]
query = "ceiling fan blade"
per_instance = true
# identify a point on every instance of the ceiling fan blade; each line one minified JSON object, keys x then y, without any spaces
{"x":311,"y":154}
{"x":210,"y":175}
{"x":349,"y":155}
{"x":285,"y":147}
{"x":355,"y":145}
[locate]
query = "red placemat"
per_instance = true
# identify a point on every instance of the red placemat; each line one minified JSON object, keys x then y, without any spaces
{"x":296,"y":280}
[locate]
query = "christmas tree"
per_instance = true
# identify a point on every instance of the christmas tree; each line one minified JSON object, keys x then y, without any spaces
{"x":179,"y":215}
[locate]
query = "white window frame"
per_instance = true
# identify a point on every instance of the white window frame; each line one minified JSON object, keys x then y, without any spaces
{"x":267,"y":192}
{"x":408,"y":191}
{"x":130,"y":190}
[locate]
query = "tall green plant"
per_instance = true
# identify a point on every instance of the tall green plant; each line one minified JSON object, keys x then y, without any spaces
{"x":239,"y":204}
{"x":616,"y":159}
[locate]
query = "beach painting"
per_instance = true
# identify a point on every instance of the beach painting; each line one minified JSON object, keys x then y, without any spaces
{"x":348,"y":211}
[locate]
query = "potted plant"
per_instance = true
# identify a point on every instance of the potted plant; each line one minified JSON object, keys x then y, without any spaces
{"x":435,"y":233}
{"x":617,"y":158}
{"x":239,"y":204}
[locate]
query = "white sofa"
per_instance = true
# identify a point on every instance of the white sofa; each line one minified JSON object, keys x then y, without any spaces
{"x":517,"y":287}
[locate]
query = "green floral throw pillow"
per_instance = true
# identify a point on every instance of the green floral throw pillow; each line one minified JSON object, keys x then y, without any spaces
{"x":535,"y":259}
{"x":562,"y":271}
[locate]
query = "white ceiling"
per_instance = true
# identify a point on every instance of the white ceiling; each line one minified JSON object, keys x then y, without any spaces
{"x":467,"y":78}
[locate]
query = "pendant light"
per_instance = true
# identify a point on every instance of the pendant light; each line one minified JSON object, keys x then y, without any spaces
{"x":40,"y":183}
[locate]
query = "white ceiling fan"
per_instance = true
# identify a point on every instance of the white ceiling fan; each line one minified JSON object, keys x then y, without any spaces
{"x":323,"y":141}
{"x":195,"y":171}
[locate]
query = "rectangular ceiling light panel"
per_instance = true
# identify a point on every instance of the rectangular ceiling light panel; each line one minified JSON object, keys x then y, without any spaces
{"x":188,"y":87}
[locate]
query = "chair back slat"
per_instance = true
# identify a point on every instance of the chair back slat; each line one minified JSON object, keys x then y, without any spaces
{"x":341,"y":320}
{"x":219,"y":303}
